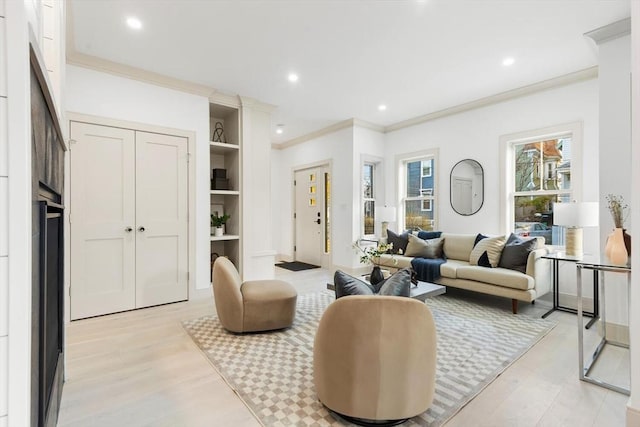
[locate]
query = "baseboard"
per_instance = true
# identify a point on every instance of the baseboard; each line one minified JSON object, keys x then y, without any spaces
{"x":618,"y":333}
{"x":569,"y":300}
{"x":633,"y":417}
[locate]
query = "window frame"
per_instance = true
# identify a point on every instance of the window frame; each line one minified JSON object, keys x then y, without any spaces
{"x":508,"y":145}
{"x":401,"y":162}
{"x":377,"y":181}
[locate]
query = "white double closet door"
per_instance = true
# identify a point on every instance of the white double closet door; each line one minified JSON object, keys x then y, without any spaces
{"x":129,"y":226}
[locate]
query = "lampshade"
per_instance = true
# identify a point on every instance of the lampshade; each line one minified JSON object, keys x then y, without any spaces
{"x":583,"y":214}
{"x":386,"y":213}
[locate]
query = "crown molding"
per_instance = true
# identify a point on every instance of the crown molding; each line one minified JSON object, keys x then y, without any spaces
{"x":556,"y":82}
{"x":313,"y":135}
{"x":368,"y":125}
{"x":253,"y":103}
{"x":611,"y":31}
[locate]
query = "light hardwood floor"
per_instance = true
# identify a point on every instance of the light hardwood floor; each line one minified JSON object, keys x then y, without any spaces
{"x":140,"y":368}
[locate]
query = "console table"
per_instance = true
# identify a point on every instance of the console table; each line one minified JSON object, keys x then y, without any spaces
{"x":598,"y":267}
{"x":556,"y":258}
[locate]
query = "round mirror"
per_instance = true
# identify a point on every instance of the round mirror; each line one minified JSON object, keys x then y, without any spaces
{"x":467,"y":187}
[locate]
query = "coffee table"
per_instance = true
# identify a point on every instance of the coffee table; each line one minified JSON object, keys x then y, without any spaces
{"x":420,"y":292}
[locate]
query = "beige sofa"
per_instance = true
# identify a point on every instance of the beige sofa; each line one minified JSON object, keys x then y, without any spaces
{"x":502,"y":282}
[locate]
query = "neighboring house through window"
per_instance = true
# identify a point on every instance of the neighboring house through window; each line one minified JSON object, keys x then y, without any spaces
{"x":540,"y":170}
{"x":418,"y":189}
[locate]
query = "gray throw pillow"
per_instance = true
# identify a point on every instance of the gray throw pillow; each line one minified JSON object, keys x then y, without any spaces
{"x":346,"y":285}
{"x":431,"y":248}
{"x":516,"y":253}
{"x":398,"y":285}
{"x":399,"y":241}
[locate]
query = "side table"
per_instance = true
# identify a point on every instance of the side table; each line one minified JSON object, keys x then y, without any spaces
{"x":598,"y":267}
{"x":556,"y":258}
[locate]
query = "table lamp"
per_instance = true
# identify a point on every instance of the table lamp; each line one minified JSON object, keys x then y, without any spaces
{"x":574,"y":216}
{"x":385,"y":214}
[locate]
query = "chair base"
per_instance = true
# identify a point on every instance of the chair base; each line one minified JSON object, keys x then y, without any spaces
{"x":369,"y":423}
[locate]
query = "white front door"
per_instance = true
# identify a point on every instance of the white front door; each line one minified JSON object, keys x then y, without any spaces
{"x":102,"y":220}
{"x":461,"y":190}
{"x":129,"y":238}
{"x":161,"y":219}
{"x":310,"y":221}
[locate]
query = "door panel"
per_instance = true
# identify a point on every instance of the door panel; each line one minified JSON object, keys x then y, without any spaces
{"x":103,"y":208}
{"x":310,"y":212}
{"x":161,"y":219}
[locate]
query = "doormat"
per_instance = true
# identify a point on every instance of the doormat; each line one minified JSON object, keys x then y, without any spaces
{"x":296,"y":266}
{"x":273,"y":372}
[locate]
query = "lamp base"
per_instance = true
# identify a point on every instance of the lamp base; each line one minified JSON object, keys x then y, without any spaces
{"x":573,"y":246}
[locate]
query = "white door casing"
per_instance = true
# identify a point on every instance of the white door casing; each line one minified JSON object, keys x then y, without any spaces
{"x":102,"y":188}
{"x":161,"y":219}
{"x":129,"y":219}
{"x":309,"y":215}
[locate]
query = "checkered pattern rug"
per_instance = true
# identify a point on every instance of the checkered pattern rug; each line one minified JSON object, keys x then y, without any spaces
{"x":273,"y":372}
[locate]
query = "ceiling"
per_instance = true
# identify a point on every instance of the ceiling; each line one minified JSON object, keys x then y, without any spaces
{"x":415,"y":57}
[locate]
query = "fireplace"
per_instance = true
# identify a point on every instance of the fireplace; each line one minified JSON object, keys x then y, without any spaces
{"x":47,"y":314}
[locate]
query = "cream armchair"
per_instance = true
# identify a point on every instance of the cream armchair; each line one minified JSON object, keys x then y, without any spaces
{"x":252,"y":306}
{"x":374,"y":358}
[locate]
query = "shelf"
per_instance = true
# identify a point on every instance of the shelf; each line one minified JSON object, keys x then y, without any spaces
{"x":225,"y":192}
{"x":225,"y":237}
{"x":222,"y":147}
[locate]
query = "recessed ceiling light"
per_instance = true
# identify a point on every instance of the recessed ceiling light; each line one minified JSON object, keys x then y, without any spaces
{"x":382,"y":107}
{"x":279,"y":129}
{"x":134,"y":23}
{"x":508,"y":61}
{"x":293,"y":77}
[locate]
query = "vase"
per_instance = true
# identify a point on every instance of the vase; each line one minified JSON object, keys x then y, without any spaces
{"x":627,"y":240}
{"x":218,"y":232}
{"x":376,"y":276}
{"x":615,"y":250}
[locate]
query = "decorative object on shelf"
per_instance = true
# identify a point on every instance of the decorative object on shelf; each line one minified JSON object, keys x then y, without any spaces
{"x":219,"y":179}
{"x":371,"y":255}
{"x":385,"y":214}
{"x":574,"y":216}
{"x":217,"y":210}
{"x":214,"y":256}
{"x":218,"y":222}
{"x":218,"y":133}
{"x":618,"y":247}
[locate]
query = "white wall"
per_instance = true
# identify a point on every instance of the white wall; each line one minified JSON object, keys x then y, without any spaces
{"x":4,"y":225}
{"x":368,"y":145}
{"x":475,"y":134}
{"x":633,"y":414}
{"x":100,"y":94}
{"x":336,"y":148}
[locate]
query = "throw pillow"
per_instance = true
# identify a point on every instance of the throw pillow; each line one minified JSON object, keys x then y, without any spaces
{"x":346,"y":285}
{"x":492,"y":245}
{"x":483,"y":261}
{"x":424,"y":248}
{"x":399,"y":241}
{"x":428,"y":235}
{"x":516,"y":253}
{"x":478,"y":238}
{"x":398,"y":285}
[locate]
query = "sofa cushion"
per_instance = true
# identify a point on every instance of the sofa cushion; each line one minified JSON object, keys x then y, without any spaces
{"x":399,"y":241}
{"x":348,"y":285}
{"x":516,"y":252}
{"x":496,"y":276}
{"x":449,"y":268}
{"x":493,"y":246}
{"x":458,"y":246}
{"x":397,"y":285}
{"x":395,"y":261}
{"x":417,"y":247}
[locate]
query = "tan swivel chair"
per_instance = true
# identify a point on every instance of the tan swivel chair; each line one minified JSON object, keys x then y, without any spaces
{"x":374,"y":358}
{"x":252,"y":306}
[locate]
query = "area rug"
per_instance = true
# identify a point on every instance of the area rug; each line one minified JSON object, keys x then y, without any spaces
{"x":296,"y":266}
{"x":273,"y":372}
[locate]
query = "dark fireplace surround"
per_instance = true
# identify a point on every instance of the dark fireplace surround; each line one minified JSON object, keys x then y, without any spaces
{"x":47,"y":238}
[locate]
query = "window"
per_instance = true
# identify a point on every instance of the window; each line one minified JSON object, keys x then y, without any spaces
{"x":368,"y":198}
{"x":540,"y":171}
{"x":419,"y":190}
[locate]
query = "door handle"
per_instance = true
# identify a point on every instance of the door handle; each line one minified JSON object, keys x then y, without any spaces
{"x":141,"y":229}
{"x":128,"y":229}
{"x":318,"y":221}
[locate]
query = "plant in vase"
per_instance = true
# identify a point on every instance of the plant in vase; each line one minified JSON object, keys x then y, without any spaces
{"x":618,"y":248}
{"x":371,"y":255}
{"x":218,"y":222}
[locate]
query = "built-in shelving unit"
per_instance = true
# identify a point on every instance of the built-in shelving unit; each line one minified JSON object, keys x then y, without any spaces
{"x":226,"y":154}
